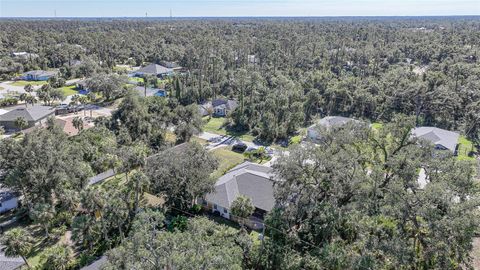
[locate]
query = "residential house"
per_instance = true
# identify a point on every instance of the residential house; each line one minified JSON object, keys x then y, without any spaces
{"x":326,"y":123}
{"x":153,"y":69}
{"x":441,"y":138}
{"x":24,"y":55}
{"x":172,"y":65}
{"x":96,"y":265}
{"x":99,"y":178}
{"x":8,"y":200}
{"x":66,"y":124}
{"x":219,"y":107}
{"x":38,"y":75}
{"x":248,"y":179}
{"x":35,"y":115}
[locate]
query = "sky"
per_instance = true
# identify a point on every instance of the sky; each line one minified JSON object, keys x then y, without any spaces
{"x":235,"y":8}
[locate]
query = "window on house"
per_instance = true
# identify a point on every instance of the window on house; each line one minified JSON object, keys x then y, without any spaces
{"x":214,"y":206}
{"x":225,"y":211}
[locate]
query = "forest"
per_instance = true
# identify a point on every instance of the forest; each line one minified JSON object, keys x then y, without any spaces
{"x":284,"y":72}
{"x":353,"y":202}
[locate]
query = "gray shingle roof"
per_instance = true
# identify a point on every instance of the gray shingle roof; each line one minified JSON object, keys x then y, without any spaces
{"x":334,"y":121}
{"x":9,"y":263}
{"x":154,"y":69}
{"x":41,"y":73}
{"x":440,"y":137}
{"x":31,"y":113}
{"x":6,"y":194}
{"x":101,"y":177}
{"x":95,"y":265}
{"x":248,"y":179}
{"x":229,"y":104}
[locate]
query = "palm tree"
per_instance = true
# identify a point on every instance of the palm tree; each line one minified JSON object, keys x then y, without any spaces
{"x":74,"y":101}
{"x":78,"y":123}
{"x":28,"y":88}
{"x":23,"y":97}
{"x":83,"y":100}
{"x":17,"y":242}
{"x":21,"y":123}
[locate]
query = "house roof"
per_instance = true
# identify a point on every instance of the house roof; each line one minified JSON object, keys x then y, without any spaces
{"x":6,"y":195}
{"x":154,"y":69}
{"x":9,"y":263}
{"x":438,"y":136}
{"x":248,"y":179}
{"x":40,"y":73}
{"x":334,"y":121}
{"x":228,"y":104}
{"x":96,"y":265}
{"x":31,"y":113}
{"x":172,"y":65}
{"x":101,"y":177}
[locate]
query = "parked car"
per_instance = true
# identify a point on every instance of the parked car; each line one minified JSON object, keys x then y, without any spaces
{"x":239,"y":147}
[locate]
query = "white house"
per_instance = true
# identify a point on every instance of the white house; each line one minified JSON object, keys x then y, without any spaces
{"x":248,"y":179}
{"x":441,"y":138}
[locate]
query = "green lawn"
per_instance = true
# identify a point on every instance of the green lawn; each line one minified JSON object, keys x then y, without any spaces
{"x":136,"y":79}
{"x":465,"y":146}
{"x":69,"y":90}
{"x":227,"y":160}
{"x":377,"y":126}
{"x":1,"y":88}
{"x":214,"y":125}
{"x":24,"y":83}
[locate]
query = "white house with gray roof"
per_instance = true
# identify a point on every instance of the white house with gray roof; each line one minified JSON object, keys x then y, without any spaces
{"x":326,"y":123}
{"x":441,"y":138}
{"x":34,"y":115}
{"x":153,"y":69}
{"x":248,"y":179}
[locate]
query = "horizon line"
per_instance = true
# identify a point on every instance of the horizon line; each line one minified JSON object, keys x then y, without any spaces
{"x":244,"y":16}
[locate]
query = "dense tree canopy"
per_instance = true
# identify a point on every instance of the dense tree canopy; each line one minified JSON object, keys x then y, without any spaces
{"x":356,"y":203}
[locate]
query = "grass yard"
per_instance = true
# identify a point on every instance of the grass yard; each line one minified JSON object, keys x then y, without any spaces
{"x":69,"y":90}
{"x":24,"y":83}
{"x":1,"y":88}
{"x":215,"y":125}
{"x":465,"y":146}
{"x":136,"y":79}
{"x":377,"y":126}
{"x":227,"y":160}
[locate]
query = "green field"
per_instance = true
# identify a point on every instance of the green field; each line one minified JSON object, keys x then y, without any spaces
{"x":24,"y":83}
{"x":215,"y":125}
{"x":377,"y":126}
{"x":227,"y":160}
{"x":465,"y":146}
{"x":69,"y":90}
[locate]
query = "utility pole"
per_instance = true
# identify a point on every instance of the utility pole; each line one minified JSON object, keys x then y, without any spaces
{"x":171,"y":14}
{"x":55,"y":13}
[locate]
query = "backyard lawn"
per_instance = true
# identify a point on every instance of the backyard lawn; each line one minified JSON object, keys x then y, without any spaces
{"x":215,"y":125}
{"x":24,"y":83}
{"x":465,"y":146}
{"x":69,"y":90}
{"x":227,"y":160}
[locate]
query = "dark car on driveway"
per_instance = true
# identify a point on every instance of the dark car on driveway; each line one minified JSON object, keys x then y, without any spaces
{"x":239,"y":147}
